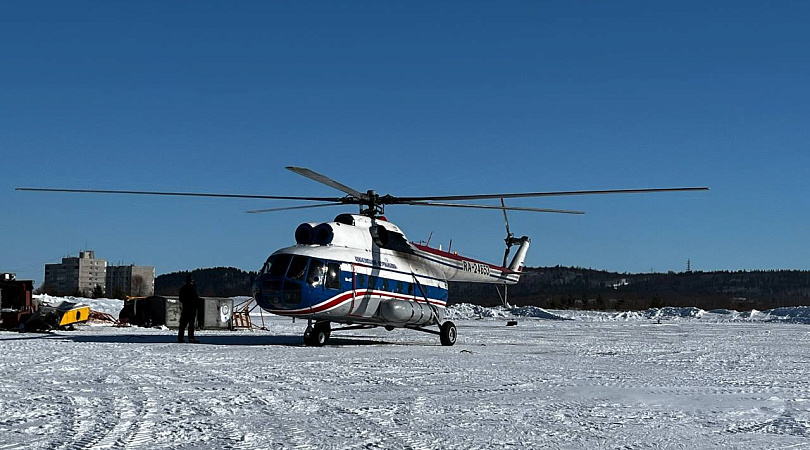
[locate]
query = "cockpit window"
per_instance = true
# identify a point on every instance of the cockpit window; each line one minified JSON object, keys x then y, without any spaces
{"x":298,"y":267}
{"x":278,"y":265}
{"x":316,"y":272}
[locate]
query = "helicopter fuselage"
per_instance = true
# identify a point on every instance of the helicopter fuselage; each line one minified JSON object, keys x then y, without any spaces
{"x":358,"y":270}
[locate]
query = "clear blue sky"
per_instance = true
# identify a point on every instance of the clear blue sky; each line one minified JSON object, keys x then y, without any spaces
{"x":408,"y":98}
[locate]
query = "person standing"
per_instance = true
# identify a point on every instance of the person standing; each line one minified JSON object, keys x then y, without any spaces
{"x":189,"y":301}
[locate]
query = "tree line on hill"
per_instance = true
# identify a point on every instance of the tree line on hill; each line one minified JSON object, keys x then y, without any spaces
{"x":577,"y":288}
{"x":212,"y":282}
{"x":572,"y":287}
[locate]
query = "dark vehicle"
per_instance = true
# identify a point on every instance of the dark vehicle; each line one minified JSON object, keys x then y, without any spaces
{"x":15,"y":301}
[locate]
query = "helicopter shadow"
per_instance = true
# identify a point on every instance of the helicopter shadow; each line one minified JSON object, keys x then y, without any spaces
{"x":219,"y":340}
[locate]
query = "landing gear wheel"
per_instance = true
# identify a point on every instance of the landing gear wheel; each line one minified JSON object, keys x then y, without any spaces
{"x":448,"y":334}
{"x":318,"y":335}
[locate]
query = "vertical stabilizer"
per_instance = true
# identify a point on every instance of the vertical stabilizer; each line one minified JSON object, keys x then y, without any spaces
{"x":520,"y":257}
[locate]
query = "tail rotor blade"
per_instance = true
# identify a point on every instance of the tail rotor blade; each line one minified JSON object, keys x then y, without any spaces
{"x":505,"y":217}
{"x":509,"y":235}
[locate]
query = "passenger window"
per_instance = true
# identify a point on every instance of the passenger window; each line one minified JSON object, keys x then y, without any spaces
{"x":372,"y":282}
{"x":278,"y":265}
{"x":410,"y":289}
{"x":333,"y":276}
{"x":315,"y":274}
{"x":399,"y":287}
{"x":297,"y":267}
{"x":385,"y":284}
{"x":361,"y":280}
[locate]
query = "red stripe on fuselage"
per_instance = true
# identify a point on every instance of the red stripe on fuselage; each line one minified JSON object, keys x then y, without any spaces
{"x":347,"y":296}
{"x":453,"y":256}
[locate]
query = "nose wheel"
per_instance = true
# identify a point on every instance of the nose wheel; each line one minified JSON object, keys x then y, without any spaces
{"x":317,"y":335}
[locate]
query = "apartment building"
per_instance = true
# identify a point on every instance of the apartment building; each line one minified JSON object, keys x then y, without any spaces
{"x":76,"y":275}
{"x":137,"y":281}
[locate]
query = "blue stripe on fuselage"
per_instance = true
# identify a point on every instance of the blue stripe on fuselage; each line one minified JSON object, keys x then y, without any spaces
{"x":279,"y":293}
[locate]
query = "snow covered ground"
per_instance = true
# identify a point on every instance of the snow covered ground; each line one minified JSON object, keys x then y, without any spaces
{"x":584,"y":380}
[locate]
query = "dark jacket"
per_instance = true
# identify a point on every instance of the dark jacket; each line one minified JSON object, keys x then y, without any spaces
{"x":188,"y":297}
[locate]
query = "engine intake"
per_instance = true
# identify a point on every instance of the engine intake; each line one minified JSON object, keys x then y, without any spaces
{"x":323,"y":234}
{"x":305,"y":233}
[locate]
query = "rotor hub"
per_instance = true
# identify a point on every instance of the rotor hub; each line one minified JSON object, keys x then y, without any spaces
{"x":374,"y":204}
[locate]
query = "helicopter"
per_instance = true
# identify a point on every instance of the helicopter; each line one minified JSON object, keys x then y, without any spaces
{"x":360,"y":271}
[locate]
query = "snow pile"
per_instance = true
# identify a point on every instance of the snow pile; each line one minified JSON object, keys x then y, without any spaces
{"x":467,"y":311}
{"x":533,"y":311}
{"x":671,"y":313}
{"x":601,"y":316}
{"x":797,"y":314}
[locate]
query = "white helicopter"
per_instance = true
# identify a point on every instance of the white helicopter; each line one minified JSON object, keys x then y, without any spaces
{"x":360,"y":270}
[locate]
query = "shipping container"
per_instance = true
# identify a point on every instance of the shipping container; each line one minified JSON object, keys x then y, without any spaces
{"x":213,"y":313}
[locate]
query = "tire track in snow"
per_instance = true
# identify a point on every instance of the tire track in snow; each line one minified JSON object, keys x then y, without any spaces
{"x":89,"y":425}
{"x":101,"y":422}
{"x":69,"y":421}
{"x":127,"y":413}
{"x":786,"y":420}
{"x":143,"y":428}
{"x":388,"y":427}
{"x":19,"y":413}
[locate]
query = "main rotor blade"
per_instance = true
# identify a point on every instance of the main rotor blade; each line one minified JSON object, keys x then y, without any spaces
{"x":509,"y":208}
{"x":185,"y":194}
{"x":549,"y":194}
{"x":303,"y":171}
{"x":286,"y":208}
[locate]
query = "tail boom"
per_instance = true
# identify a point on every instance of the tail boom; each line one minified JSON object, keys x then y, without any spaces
{"x":455,"y":267}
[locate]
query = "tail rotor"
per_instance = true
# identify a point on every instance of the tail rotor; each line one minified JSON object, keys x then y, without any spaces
{"x":510,"y":237}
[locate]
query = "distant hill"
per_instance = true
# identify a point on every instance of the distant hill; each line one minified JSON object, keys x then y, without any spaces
{"x":213,"y":282}
{"x":573,"y":287}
